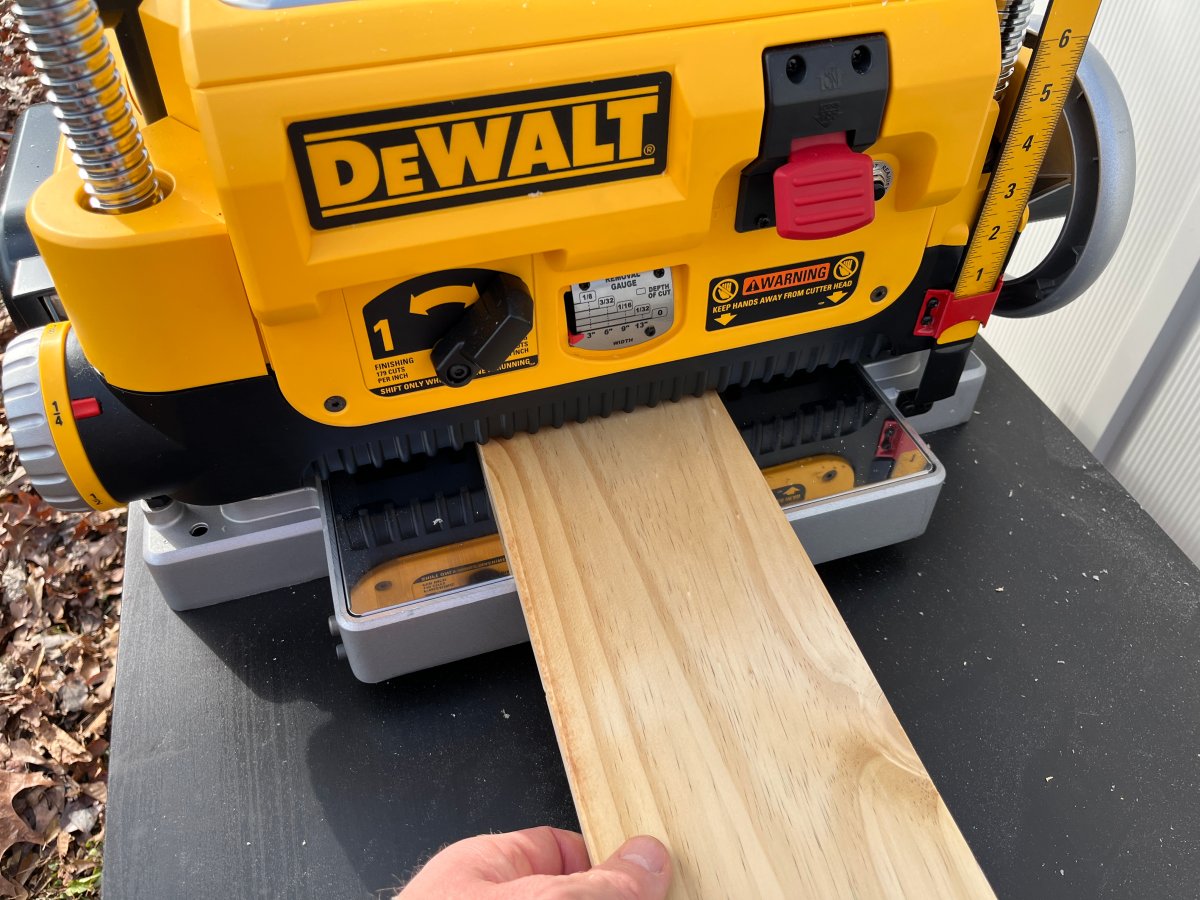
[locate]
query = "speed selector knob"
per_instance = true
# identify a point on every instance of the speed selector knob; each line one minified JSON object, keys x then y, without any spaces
{"x":487,"y":332}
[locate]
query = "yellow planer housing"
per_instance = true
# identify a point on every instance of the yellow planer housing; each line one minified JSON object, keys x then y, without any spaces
{"x":389,"y":227}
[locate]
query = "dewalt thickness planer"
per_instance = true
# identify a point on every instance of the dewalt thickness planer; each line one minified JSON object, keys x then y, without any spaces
{"x":290,"y":259}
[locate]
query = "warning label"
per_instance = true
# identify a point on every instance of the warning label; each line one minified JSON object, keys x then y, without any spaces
{"x":781,"y":291}
{"x":460,"y":576}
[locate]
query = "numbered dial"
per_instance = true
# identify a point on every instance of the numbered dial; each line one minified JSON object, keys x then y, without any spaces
{"x":621,"y":311}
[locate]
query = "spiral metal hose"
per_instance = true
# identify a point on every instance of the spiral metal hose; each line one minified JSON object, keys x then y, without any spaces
{"x":1014,"y":18}
{"x":69,"y":49}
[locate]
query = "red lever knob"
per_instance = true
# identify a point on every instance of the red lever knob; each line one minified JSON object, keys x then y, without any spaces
{"x":824,"y":189}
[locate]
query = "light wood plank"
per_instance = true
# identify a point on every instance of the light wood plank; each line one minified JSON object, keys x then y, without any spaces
{"x":702,"y":684}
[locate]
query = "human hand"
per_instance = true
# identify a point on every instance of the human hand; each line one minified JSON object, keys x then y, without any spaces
{"x":541,"y":864}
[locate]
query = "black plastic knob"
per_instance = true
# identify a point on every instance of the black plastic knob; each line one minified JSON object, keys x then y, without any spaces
{"x":487,"y":333}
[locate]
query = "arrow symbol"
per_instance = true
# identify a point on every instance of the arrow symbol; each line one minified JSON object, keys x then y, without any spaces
{"x":459,"y":294}
{"x":726,"y":319}
{"x":839,"y":296}
{"x":792,"y":491}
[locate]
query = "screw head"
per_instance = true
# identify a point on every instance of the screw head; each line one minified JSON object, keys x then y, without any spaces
{"x":659,"y":273}
{"x":795,"y":69}
{"x":335,"y":403}
{"x":763,"y":221}
{"x":860,"y":60}
{"x":878,"y":294}
{"x":651,"y":331}
{"x":458,"y":374}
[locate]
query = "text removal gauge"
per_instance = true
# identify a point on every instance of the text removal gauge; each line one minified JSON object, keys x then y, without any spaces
{"x":621,"y":311}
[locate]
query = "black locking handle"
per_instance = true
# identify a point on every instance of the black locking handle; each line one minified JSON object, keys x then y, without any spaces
{"x":487,"y":333}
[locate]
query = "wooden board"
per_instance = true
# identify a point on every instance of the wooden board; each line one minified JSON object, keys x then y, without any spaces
{"x":703,"y":687}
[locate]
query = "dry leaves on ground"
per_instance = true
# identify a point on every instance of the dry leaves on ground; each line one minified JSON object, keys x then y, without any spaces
{"x":60,"y":585}
{"x":18,"y":85}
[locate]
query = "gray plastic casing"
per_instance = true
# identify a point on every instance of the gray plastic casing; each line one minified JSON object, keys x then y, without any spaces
{"x":201,"y":555}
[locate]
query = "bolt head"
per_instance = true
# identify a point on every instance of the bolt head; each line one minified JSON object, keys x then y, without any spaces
{"x":458,"y":374}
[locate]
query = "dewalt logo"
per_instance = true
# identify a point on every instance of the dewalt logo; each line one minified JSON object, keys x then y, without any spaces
{"x":397,"y":162}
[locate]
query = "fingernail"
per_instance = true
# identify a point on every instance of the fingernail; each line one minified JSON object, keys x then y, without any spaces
{"x":646,"y":852}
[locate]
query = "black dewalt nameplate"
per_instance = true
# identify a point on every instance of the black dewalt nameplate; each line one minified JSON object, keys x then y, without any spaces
{"x":749,"y":297}
{"x":396,"y":162}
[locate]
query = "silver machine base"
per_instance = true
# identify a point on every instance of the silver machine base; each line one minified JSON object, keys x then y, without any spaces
{"x":204,"y":555}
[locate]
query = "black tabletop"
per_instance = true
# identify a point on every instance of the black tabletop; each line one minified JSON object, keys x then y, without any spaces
{"x":1040,"y":643}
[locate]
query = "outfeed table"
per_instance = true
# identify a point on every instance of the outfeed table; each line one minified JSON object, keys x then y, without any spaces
{"x":1040,"y":644}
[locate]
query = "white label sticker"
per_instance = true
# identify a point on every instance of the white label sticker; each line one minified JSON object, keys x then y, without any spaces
{"x":623,"y":310}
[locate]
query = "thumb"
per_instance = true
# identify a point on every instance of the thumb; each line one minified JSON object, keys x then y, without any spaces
{"x":640,"y":869}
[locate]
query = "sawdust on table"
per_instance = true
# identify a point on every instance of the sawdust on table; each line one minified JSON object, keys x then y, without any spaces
{"x":60,"y":589}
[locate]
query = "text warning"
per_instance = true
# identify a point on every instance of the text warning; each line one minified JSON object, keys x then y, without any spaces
{"x":749,"y":297}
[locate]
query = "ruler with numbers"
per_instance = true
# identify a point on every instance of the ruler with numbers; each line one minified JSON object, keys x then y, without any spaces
{"x":1048,"y":80}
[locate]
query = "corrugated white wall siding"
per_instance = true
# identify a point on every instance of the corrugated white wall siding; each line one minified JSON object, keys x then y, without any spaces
{"x":1156,"y":459}
{"x":1088,"y":361}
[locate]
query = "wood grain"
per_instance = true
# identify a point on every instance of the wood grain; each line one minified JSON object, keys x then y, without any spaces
{"x":702,"y":685}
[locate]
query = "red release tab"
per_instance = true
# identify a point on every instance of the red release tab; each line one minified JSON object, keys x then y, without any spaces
{"x":942,"y":311}
{"x":85,"y":407}
{"x":824,"y":189}
{"x":893,"y":441}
